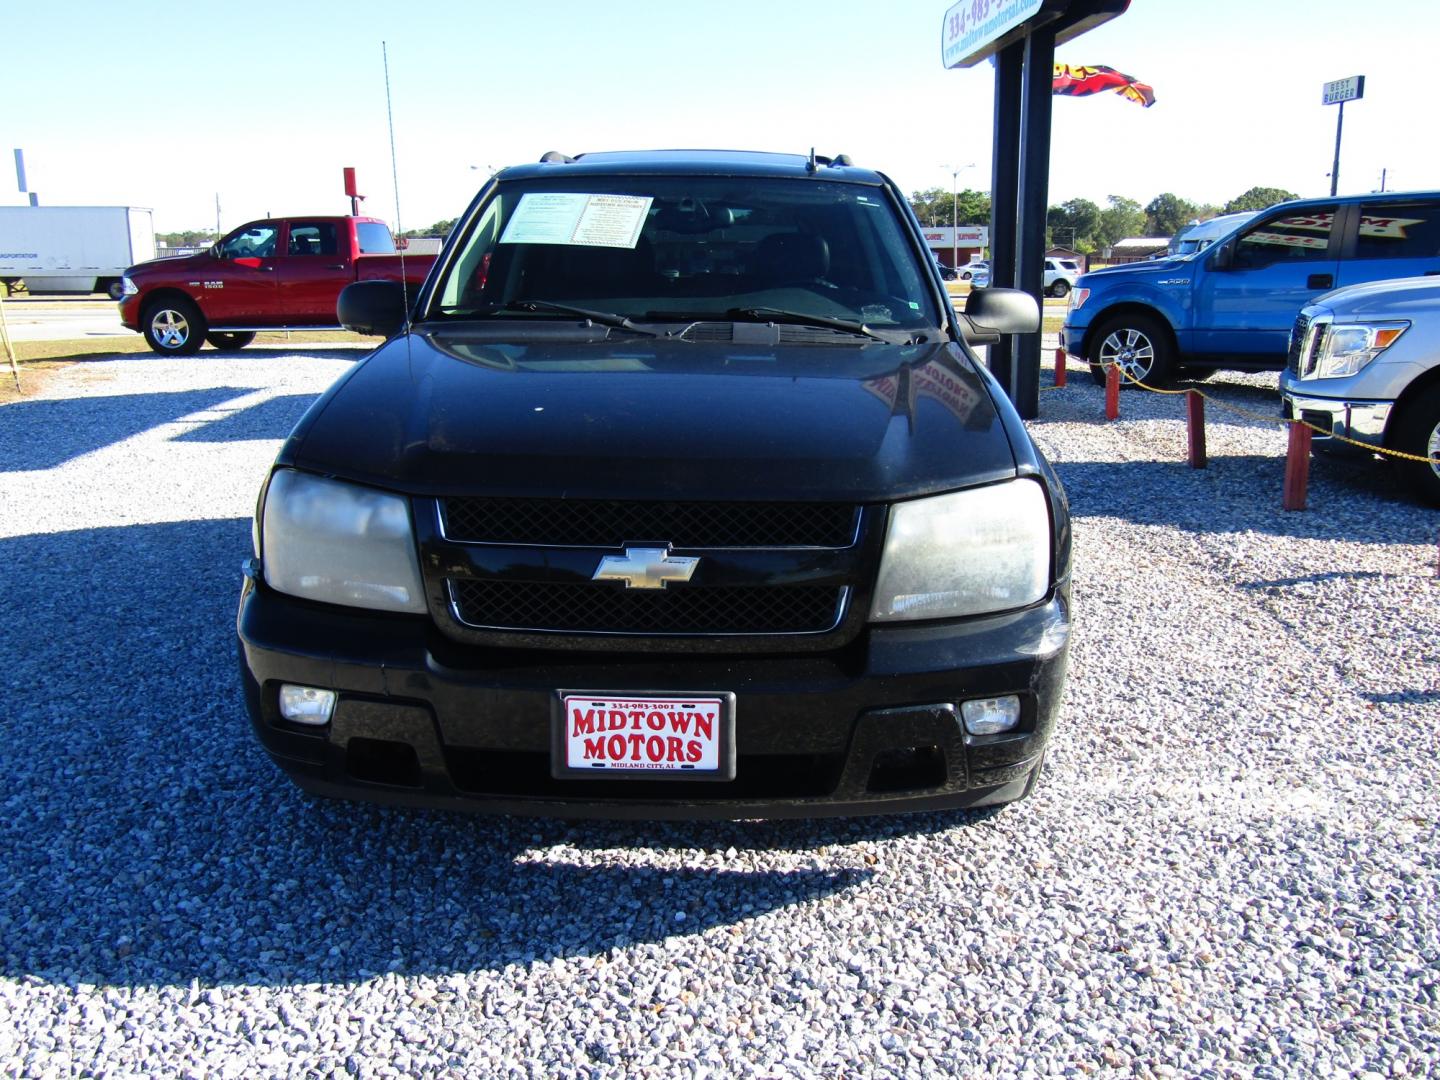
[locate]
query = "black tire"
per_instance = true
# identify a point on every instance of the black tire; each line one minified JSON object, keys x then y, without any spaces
{"x":1139,"y":343}
{"x":221,"y":339}
{"x":1417,"y":431}
{"x":1060,"y":288}
{"x":114,"y":290}
{"x":173,"y":327}
{"x":965,"y":275}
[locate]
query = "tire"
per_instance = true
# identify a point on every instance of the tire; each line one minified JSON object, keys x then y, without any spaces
{"x":221,"y":339}
{"x":965,"y":276}
{"x":1417,"y":431}
{"x":115,"y":291}
{"x":174,"y":327}
{"x":1060,"y":288}
{"x":1139,"y":343}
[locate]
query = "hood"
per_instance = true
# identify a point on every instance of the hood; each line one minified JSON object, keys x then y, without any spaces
{"x":1399,"y":298}
{"x":170,"y":264}
{"x":1139,"y":269}
{"x":434,"y":413}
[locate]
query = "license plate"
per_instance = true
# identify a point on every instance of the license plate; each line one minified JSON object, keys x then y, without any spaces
{"x":644,"y":736}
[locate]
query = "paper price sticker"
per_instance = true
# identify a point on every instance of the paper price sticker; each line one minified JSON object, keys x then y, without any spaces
{"x":578,"y":220}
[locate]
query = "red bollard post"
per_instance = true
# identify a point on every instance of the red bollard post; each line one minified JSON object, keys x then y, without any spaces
{"x":1195,"y":428}
{"x":1060,"y":367}
{"x":1297,"y":466}
{"x":1112,"y":393}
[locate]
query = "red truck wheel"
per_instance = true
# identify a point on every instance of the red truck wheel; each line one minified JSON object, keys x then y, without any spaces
{"x":174,"y":327}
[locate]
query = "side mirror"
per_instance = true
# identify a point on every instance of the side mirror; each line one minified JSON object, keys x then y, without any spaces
{"x":372,"y":307}
{"x":1003,"y":311}
{"x":250,"y":262}
{"x":1224,"y":257}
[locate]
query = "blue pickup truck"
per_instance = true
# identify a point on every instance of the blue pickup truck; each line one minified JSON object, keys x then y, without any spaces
{"x":1232,"y":305}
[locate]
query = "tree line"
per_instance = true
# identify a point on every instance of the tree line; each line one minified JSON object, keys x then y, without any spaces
{"x":1086,"y":227}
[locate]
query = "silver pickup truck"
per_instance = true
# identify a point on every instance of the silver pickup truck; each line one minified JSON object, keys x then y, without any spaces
{"x":1364,"y":364}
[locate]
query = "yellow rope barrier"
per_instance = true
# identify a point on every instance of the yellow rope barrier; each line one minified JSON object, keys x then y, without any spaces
{"x":1387,"y":451}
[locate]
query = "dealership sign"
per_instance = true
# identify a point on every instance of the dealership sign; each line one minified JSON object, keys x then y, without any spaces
{"x":972,"y":24}
{"x":966,"y":236}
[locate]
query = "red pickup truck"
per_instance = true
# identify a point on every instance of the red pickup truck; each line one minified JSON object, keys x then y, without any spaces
{"x":276,"y":274}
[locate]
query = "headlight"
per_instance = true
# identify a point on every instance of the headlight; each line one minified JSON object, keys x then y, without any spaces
{"x":127,"y":287}
{"x":1078,"y":298}
{"x":1348,"y":347}
{"x":331,"y":541}
{"x":966,"y":553}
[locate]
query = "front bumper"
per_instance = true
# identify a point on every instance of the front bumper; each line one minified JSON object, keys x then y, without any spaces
{"x":1362,"y":421}
{"x":1072,"y":339}
{"x":130,"y":313}
{"x":423,"y":721}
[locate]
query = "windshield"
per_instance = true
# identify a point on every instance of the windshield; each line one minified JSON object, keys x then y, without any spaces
{"x":685,"y":248}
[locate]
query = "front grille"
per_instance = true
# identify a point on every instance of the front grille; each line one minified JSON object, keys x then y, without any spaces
{"x":1297,"y":345}
{"x":603,"y":608}
{"x":613,"y":523}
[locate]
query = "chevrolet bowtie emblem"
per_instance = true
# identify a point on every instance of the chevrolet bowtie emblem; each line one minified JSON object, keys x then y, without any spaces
{"x":645,"y":568}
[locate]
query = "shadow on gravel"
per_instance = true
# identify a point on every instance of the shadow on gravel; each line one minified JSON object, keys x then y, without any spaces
{"x":46,"y":434}
{"x":146,"y":840}
{"x":271,"y":419}
{"x":1353,"y":500}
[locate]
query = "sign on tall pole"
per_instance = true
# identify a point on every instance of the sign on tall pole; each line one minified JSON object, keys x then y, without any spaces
{"x":1337,"y":93}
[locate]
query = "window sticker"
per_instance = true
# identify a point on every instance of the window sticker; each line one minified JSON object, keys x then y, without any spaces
{"x":578,"y":220}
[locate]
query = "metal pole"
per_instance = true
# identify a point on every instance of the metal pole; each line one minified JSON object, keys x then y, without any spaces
{"x":1034,"y":184}
{"x":1005,"y":191}
{"x":1335,"y":169}
{"x":955,"y":218}
{"x":9,"y":349}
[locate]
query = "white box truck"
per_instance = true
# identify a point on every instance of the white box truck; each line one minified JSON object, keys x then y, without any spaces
{"x":73,"y":249}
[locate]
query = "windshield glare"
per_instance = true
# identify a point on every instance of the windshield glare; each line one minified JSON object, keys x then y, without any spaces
{"x":685,"y":248}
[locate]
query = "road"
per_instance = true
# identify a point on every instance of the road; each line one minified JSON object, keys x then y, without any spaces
{"x":60,"y":318}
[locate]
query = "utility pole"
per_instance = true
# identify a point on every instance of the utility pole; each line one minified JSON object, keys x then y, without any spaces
{"x":955,"y":172}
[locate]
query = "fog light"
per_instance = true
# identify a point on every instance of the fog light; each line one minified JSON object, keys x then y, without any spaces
{"x":306,"y":704}
{"x":991,"y":716}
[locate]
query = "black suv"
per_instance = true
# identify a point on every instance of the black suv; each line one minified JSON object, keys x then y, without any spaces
{"x":676,"y":492}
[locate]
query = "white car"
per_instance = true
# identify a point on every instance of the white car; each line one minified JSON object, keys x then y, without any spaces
{"x":1060,"y":275}
{"x":978,"y":274}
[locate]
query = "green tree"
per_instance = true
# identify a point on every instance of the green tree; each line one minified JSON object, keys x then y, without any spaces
{"x":1123,"y":217}
{"x":1258,"y":198}
{"x":1167,"y":214}
{"x":1073,"y":223}
{"x":934,"y":207}
{"x":440,"y":228}
{"x":186,"y":238}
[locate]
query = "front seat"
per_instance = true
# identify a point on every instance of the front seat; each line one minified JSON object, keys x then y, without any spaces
{"x":783,"y":259}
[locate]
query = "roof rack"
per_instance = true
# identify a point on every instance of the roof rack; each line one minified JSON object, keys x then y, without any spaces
{"x":839,"y":161}
{"x":555,"y":157}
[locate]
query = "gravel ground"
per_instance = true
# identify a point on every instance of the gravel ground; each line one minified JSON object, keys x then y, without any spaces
{"x":1230,"y":869}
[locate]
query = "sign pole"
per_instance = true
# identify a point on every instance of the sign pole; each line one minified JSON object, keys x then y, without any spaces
{"x":1338,"y":93}
{"x":1335,"y":169}
{"x":9,"y":348}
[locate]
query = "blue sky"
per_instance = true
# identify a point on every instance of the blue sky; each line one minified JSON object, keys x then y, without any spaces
{"x":165,"y":104}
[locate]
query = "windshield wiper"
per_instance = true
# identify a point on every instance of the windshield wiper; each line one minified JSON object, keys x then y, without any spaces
{"x":779,"y":315}
{"x":604,"y":318}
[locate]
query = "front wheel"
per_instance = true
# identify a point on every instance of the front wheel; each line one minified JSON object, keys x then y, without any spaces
{"x":174,"y":327}
{"x":1138,"y":344}
{"x":221,"y":339}
{"x":1060,"y":289}
{"x":1417,"y":431}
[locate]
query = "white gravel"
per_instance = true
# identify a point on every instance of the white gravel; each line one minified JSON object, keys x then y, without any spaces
{"x":1230,"y":869}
